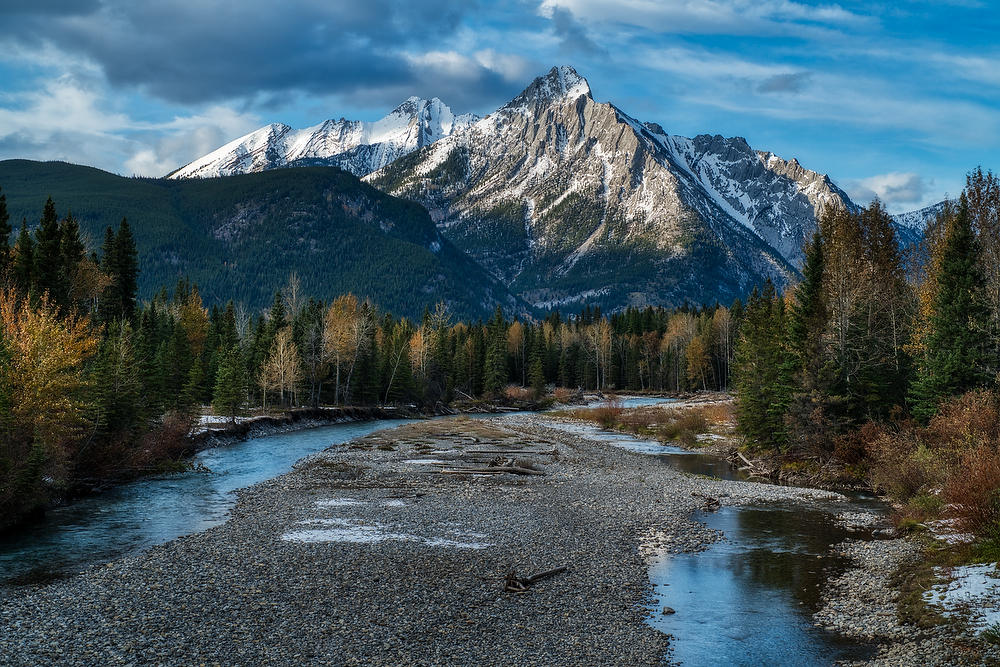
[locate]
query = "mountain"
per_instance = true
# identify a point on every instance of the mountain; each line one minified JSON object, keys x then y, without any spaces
{"x":568,"y":200}
{"x":356,"y":146}
{"x":240,"y":237}
{"x":910,"y":225}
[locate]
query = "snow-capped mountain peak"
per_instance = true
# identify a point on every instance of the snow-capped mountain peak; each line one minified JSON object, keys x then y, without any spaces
{"x":560,"y":84}
{"x":357,"y":146}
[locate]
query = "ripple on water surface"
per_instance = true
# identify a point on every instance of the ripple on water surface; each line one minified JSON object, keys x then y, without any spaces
{"x":749,"y":599}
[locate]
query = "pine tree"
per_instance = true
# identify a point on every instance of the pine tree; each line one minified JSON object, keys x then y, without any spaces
{"x":808,"y":313}
{"x":109,"y":305}
{"x":126,"y":276}
{"x":495,"y":373}
{"x":955,"y":356}
{"x":5,"y":230}
{"x":23,"y":266}
{"x":119,"y":260}
{"x":176,"y":363}
{"x":761,"y":371}
{"x":148,"y":340}
{"x":73,"y":252}
{"x":881,"y":321}
{"x":118,"y":385}
{"x":48,"y":269}
{"x":536,"y":376}
{"x":230,"y":381}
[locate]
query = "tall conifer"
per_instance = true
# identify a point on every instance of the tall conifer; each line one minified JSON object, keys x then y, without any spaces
{"x":5,"y":230}
{"x":955,"y":355}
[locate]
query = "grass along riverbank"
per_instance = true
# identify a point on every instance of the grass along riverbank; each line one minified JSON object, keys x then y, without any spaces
{"x":932,"y":592}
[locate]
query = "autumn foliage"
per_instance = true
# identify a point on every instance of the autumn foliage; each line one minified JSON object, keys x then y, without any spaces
{"x":45,"y":411}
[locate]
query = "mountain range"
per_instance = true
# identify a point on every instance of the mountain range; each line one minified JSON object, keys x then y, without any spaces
{"x":567,"y":200}
{"x":356,"y":146}
{"x":554,"y":200}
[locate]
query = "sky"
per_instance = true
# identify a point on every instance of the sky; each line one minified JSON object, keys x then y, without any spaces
{"x":892,"y":99}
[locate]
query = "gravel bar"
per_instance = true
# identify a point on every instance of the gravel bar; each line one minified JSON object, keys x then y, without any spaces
{"x":367,"y":553}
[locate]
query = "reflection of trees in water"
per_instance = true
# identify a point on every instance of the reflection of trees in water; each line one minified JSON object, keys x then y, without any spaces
{"x":779,"y":549}
{"x":704,"y":464}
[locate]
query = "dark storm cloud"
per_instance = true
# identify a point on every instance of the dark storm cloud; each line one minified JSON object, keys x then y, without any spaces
{"x":784,"y":83}
{"x":572,"y":35}
{"x":190,"y":51}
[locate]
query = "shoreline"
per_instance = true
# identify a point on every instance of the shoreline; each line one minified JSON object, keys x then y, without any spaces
{"x":364,"y":552}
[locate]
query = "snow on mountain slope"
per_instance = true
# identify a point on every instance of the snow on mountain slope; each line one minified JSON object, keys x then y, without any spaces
{"x":917,"y":220}
{"x":910,"y":225}
{"x":567,"y":199}
{"x":356,"y":146}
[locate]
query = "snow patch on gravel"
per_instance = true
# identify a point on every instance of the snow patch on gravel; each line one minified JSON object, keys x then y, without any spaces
{"x":356,"y":531}
{"x":973,"y":590}
{"x":338,"y":502}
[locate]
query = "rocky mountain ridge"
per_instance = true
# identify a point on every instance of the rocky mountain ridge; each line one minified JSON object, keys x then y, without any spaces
{"x":567,"y":200}
{"x":570,"y":200}
{"x":359,"y":147}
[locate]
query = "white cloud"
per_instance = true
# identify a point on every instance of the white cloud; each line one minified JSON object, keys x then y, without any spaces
{"x":735,"y":17}
{"x":510,"y":66}
{"x":69,"y":118}
{"x":900,"y":191}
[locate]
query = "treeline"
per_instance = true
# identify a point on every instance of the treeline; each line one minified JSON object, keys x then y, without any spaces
{"x":870,"y":333}
{"x":94,"y":385}
{"x":883,"y":359}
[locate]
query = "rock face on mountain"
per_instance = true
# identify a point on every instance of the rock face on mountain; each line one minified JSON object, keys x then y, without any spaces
{"x":356,"y":146}
{"x":568,"y":200}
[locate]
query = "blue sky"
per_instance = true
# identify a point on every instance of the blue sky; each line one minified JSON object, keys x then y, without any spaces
{"x":898,"y":99}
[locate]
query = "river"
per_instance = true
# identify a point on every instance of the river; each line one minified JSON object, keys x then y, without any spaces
{"x":746,"y":600}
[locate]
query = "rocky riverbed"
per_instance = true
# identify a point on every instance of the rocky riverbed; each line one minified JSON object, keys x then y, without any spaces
{"x":387,"y":550}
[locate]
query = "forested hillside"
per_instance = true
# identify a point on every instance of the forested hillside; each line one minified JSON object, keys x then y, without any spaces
{"x":241,"y":237}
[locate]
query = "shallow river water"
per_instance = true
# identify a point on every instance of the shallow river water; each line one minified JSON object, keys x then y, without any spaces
{"x":747,"y":600}
{"x":151,"y":511}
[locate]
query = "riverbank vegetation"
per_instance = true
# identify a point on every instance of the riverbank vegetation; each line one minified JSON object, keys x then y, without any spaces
{"x":887,"y":361}
{"x":95,"y":386}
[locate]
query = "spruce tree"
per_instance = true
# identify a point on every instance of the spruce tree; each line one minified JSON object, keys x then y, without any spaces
{"x":495,"y":372}
{"x":118,"y":385}
{"x":536,"y":376}
{"x":73,"y":253}
{"x":48,"y":269}
{"x":23,"y":266}
{"x":71,"y":245}
{"x":109,"y":306}
{"x":230,"y":390}
{"x":126,"y":266}
{"x":955,"y":356}
{"x":761,"y":371}
{"x":808,"y":313}
{"x":5,"y":230}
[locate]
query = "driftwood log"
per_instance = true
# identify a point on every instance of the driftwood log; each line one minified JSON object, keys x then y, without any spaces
{"x":516,"y":584}
{"x":491,"y":470}
{"x":510,"y":451}
{"x":709,"y":504}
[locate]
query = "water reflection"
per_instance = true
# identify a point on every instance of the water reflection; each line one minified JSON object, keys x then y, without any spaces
{"x":748,"y":600}
{"x":152,"y":511}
